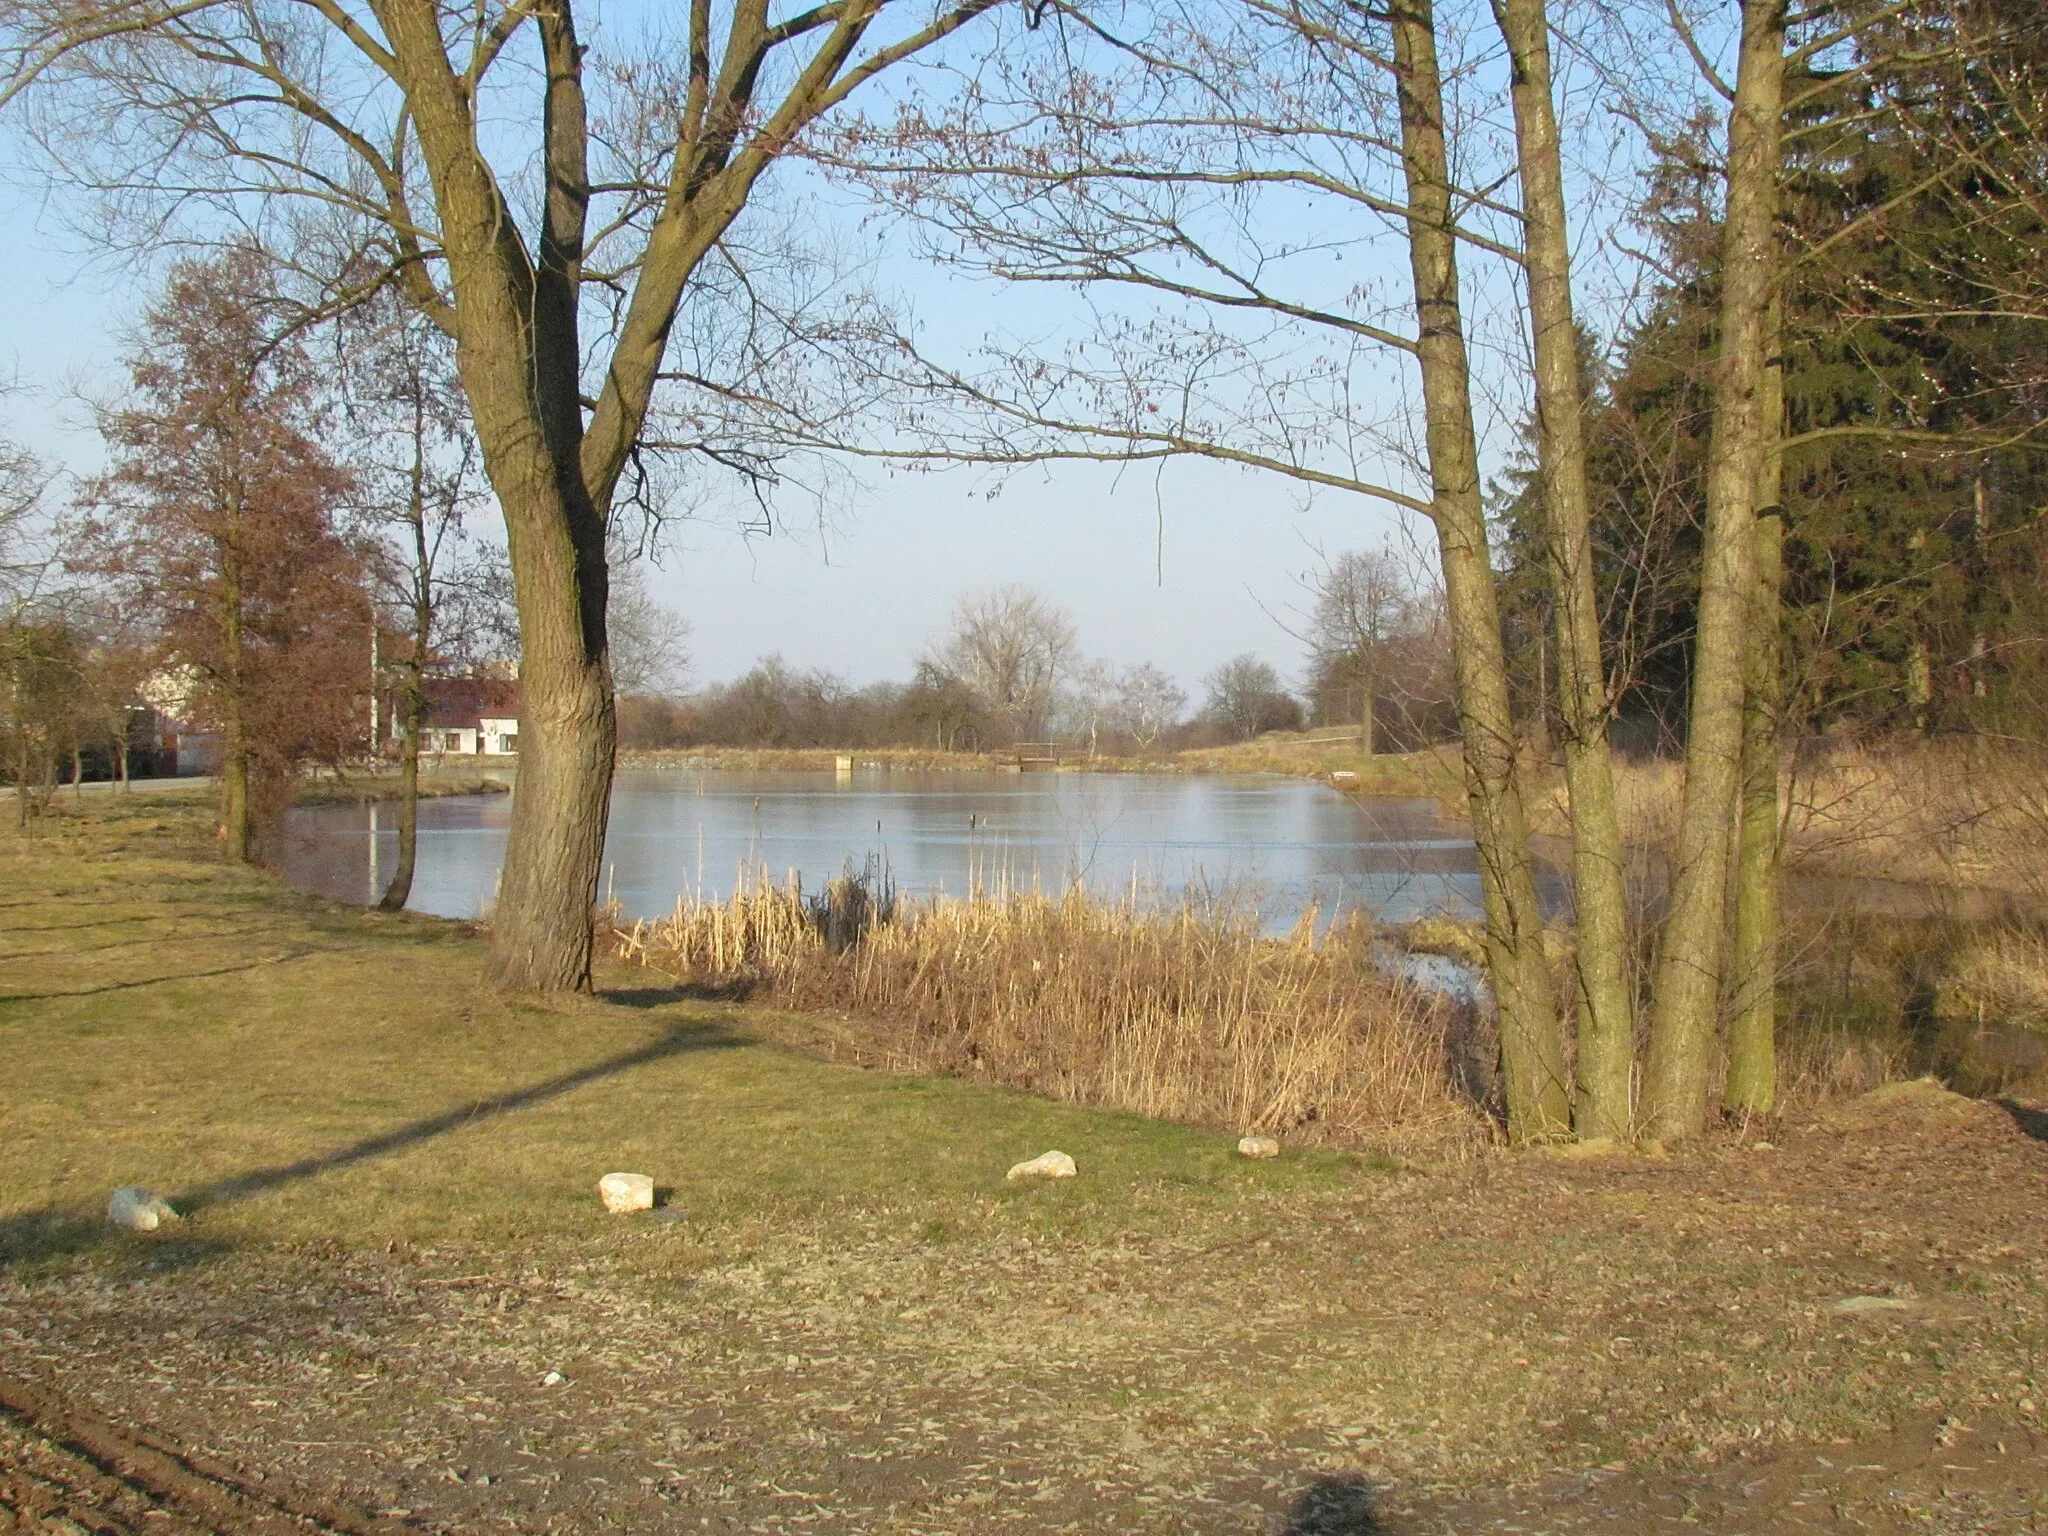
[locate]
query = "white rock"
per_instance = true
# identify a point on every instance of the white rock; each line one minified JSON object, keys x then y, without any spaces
{"x":553,"y":1379}
{"x":626,"y":1192}
{"x":1258,"y":1146}
{"x":1047,"y":1165}
{"x":135,"y":1209}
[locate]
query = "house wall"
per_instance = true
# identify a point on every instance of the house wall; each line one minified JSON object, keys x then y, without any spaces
{"x":199,"y":752}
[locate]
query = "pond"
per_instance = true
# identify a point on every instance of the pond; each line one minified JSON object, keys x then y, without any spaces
{"x":1275,"y":843}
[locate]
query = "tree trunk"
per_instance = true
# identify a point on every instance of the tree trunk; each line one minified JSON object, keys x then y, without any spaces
{"x":77,"y":772}
{"x":1753,"y":962}
{"x":400,"y":888}
{"x":518,"y":354}
{"x":541,"y":934}
{"x":234,"y":765}
{"x":1532,"y":1055}
{"x":1685,"y":992}
{"x":234,"y":795}
{"x":1606,"y":1054}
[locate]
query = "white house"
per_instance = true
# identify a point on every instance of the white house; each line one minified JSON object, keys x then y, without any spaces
{"x":468,"y":717}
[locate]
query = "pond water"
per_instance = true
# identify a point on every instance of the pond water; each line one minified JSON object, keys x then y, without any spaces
{"x":1279,"y":844}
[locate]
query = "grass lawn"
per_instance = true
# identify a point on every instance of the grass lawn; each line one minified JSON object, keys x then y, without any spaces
{"x":395,"y":1284}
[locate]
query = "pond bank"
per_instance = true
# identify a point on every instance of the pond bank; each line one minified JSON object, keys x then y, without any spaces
{"x":397,"y":1174}
{"x":384,"y":788}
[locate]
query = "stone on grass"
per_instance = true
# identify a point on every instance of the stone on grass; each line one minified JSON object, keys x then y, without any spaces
{"x":135,"y":1209}
{"x":1047,"y":1165}
{"x":623,"y":1192}
{"x":1258,"y":1146}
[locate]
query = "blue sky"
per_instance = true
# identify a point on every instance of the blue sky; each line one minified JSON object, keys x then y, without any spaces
{"x":1183,"y":566}
{"x":863,"y":593}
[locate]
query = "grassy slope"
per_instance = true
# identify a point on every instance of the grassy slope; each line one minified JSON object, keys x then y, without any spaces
{"x":391,"y":1174}
{"x":194,"y":1028}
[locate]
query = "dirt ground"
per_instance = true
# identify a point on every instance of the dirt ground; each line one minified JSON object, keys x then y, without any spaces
{"x":395,"y":1306}
{"x":453,"y":1390}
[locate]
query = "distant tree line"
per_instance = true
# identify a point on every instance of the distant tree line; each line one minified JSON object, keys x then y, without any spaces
{"x":1008,"y":669}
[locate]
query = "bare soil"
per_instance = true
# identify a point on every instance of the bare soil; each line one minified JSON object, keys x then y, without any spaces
{"x":892,"y":1386}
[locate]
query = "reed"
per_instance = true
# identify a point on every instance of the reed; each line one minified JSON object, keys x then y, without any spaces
{"x":1182,"y":1013}
{"x":1949,"y":813}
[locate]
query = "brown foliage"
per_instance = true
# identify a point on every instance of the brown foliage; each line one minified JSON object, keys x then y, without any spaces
{"x":216,"y":526}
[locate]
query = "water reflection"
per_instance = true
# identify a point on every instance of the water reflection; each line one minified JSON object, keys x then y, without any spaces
{"x":1278,"y":843}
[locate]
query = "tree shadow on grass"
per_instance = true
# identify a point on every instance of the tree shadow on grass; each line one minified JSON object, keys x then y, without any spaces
{"x":1344,"y":1505}
{"x":682,"y":992}
{"x":153,"y":939}
{"x":153,"y":981}
{"x":40,"y":1236}
{"x":32,"y":1240}
{"x":97,"y":922}
{"x":2029,"y":1118}
{"x":677,"y":1040}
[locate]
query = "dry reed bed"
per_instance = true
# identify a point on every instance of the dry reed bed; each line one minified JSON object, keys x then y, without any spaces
{"x":1181,"y":1014}
{"x":1945,"y":813}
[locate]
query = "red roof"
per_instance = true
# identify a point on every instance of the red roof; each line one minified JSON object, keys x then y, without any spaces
{"x":464,"y":703}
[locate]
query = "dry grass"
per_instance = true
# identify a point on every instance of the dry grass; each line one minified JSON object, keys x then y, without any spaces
{"x":1916,"y":874}
{"x":1184,"y":1014}
{"x":386,"y":786}
{"x":1953,"y":814}
{"x":1435,"y":773}
{"x":2002,"y":977}
{"x":393,"y":1256}
{"x":1969,"y":814}
{"x":806,"y":759}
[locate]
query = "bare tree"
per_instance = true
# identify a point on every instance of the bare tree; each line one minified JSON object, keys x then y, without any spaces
{"x":46,"y":696}
{"x":1684,"y":1005}
{"x":41,"y":688}
{"x":1753,"y":942}
{"x":1605,"y":1075}
{"x":650,"y":640}
{"x":23,"y":481}
{"x":1361,"y":604}
{"x":1146,"y":702}
{"x":511,"y":208}
{"x":1245,"y":698}
{"x":1011,"y":649}
{"x":1090,"y":697}
{"x":417,"y":482}
{"x":1531,"y":1048}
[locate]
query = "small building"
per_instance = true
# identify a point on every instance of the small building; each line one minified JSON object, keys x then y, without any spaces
{"x":467,"y":717}
{"x":163,"y":739}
